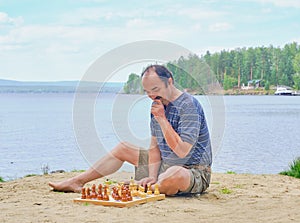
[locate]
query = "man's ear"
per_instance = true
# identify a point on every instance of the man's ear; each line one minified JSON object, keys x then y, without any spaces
{"x":170,"y":81}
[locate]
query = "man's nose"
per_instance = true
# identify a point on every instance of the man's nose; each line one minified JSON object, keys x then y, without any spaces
{"x":152,"y":96}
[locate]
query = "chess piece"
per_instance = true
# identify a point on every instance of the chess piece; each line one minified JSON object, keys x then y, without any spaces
{"x":141,"y":189}
{"x":107,"y":184}
{"x":93,"y":193}
{"x":129,"y":197}
{"x":88,"y":193}
{"x":100,"y":188}
{"x":100,"y":195}
{"x":134,"y":191}
{"x":115,"y":193}
{"x":83,"y":195}
{"x":131,"y":181}
{"x":141,"y":192}
{"x":156,"y":190}
{"x":131,"y":184}
{"x":124,"y":196}
{"x":149,"y":191}
{"x":117,"y":197}
{"x":119,"y":190}
{"x":105,"y":195}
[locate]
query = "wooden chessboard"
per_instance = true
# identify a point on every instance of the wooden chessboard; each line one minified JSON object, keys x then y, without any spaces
{"x":120,"y":204}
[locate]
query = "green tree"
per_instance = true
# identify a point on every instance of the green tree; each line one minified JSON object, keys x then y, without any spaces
{"x":229,"y":82}
{"x":296,"y":79}
{"x":271,"y":65}
{"x":267,"y":86}
{"x":286,"y":63}
{"x":275,"y":58}
{"x":133,"y":85}
{"x":296,"y":63}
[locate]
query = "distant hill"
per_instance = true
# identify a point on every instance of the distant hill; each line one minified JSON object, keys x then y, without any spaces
{"x":11,"y":86}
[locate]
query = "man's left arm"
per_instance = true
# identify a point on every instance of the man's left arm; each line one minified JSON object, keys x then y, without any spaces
{"x":174,"y":141}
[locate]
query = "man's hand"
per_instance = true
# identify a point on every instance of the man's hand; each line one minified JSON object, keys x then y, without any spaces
{"x":145,"y":181}
{"x":157,"y":109}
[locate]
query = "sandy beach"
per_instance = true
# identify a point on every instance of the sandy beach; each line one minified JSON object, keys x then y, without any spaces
{"x":230,"y":198}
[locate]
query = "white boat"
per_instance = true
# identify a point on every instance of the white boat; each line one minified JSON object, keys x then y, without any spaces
{"x":283,"y":91}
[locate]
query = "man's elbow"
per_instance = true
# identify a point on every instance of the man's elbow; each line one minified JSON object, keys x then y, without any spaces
{"x":183,"y":149}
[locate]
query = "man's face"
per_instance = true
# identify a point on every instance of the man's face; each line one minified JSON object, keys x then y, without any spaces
{"x":154,"y":86}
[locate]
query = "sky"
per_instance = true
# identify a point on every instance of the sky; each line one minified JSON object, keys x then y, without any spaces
{"x":53,"y":40}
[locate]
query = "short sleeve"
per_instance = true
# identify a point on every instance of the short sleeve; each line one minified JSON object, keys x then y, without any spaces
{"x":190,"y":123}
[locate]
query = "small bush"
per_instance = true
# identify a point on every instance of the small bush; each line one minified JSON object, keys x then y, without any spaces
{"x":31,"y":175}
{"x":294,"y":170}
{"x":1,"y":179}
{"x":225,"y":190}
{"x":77,"y":171}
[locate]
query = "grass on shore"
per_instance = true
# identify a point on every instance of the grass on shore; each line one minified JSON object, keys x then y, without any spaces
{"x":294,"y":170}
{"x":1,"y":180}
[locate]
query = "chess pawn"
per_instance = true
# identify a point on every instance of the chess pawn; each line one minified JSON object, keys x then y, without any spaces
{"x":117,"y":197}
{"x":93,"y":193}
{"x":88,"y":193}
{"x":107,"y":183}
{"x":149,"y":191}
{"x":115,"y":193}
{"x":100,"y":189}
{"x":119,"y":190}
{"x":105,"y":195}
{"x":129,"y":197}
{"x":83,"y":195}
{"x":141,"y":189}
{"x":123,"y":187}
{"x":124,"y":196}
{"x":134,"y":192}
{"x":156,"y":190}
{"x":142,"y":193}
{"x":131,"y":184}
{"x":100,"y":195}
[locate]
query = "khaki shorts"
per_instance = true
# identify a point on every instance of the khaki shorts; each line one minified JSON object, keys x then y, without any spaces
{"x":200,"y":175}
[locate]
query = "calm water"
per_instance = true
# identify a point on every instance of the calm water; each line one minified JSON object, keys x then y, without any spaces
{"x":261,"y":133}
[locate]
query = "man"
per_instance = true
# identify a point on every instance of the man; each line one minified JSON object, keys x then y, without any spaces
{"x":179,"y":157}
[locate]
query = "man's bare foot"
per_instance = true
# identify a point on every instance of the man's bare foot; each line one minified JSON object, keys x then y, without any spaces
{"x":69,"y":185}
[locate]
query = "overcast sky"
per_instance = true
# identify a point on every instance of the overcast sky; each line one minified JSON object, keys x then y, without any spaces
{"x":53,"y":40}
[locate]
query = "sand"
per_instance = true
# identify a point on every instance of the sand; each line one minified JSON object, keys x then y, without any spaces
{"x":230,"y":198}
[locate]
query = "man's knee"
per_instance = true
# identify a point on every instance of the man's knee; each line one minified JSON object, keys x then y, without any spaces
{"x":118,"y":149}
{"x":125,"y":151}
{"x":175,"y":176}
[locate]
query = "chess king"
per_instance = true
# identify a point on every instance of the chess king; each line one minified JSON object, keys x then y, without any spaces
{"x":179,"y":156}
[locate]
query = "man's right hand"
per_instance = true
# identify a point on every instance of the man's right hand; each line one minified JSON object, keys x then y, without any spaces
{"x":147,"y":180}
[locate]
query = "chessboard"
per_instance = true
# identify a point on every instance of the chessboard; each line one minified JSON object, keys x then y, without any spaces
{"x":119,"y":195}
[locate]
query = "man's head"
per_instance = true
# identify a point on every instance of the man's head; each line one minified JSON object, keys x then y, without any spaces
{"x":158,"y":81}
{"x":163,"y":73}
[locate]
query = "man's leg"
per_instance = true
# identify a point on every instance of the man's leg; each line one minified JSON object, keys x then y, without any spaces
{"x":108,"y":164}
{"x":142,"y":170}
{"x":174,"y":179}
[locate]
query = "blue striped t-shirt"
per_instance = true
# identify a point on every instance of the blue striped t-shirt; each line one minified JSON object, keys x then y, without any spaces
{"x":187,"y":118}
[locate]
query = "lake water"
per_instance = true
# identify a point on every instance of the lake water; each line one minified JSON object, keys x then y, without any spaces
{"x":254,"y":134}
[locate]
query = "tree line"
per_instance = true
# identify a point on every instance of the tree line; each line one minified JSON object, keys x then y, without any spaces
{"x":233,"y":68}
{"x":271,"y":65}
